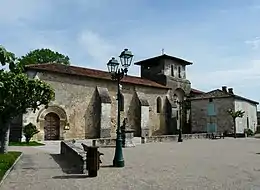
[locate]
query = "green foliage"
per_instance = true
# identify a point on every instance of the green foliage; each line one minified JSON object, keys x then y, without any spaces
{"x":31,"y":143}
{"x":10,"y":59}
{"x":235,"y":114}
{"x":5,"y":56}
{"x":18,"y":93}
{"x":29,"y":131}
{"x":6,"y":161}
{"x":249,"y":132}
{"x":40,"y":56}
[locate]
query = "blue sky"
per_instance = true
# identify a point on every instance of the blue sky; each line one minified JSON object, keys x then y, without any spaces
{"x":221,"y":38}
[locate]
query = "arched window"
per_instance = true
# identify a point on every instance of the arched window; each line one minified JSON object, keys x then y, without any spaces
{"x":159,"y":104}
{"x":121,"y":103}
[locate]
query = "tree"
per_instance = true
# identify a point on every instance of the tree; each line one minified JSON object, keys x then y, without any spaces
{"x":29,"y":131}
{"x":40,"y":56}
{"x":234,"y":115}
{"x":18,"y":93}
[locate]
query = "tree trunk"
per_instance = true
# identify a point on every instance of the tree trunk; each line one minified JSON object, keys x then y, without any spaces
{"x":235,"y":128}
{"x":27,"y":139}
{"x":4,"y":137}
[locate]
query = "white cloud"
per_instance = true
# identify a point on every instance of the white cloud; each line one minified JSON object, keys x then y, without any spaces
{"x":31,"y":24}
{"x":245,"y":76}
{"x":96,"y":47}
{"x":255,"y":43}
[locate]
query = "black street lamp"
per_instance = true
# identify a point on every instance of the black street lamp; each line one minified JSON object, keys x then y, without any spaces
{"x":118,"y":74}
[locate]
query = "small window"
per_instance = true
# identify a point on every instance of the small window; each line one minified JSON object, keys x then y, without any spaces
{"x":179,"y":72}
{"x":172,"y":70}
{"x":158,"y":104}
{"x":121,"y":103}
{"x":210,"y":100}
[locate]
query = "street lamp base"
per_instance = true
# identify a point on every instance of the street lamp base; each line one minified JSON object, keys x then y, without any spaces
{"x":119,"y":163}
{"x":180,"y":140}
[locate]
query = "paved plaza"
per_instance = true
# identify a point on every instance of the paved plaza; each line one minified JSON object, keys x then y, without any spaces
{"x":193,"y":164}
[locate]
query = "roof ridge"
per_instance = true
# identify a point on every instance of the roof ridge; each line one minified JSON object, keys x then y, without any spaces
{"x":93,"y":73}
{"x":80,"y":67}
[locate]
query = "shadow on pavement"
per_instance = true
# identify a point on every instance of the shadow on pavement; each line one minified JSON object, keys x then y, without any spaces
{"x":75,"y":176}
{"x":106,"y":166}
{"x":68,"y":168}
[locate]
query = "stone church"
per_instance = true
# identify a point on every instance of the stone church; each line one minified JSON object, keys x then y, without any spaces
{"x":85,"y":104}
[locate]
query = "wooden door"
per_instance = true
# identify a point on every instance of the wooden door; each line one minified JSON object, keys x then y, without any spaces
{"x":52,"y":127}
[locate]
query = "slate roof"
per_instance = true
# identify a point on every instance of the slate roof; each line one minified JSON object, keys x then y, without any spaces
{"x":160,"y":57}
{"x":221,"y":94}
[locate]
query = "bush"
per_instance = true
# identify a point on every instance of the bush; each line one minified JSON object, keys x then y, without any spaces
{"x":248,"y":132}
{"x":29,"y":131}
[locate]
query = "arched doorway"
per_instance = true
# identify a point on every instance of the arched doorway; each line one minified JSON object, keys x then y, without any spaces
{"x":52,"y":127}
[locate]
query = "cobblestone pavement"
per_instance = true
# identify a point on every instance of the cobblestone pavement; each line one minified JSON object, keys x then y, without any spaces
{"x":194,"y":164}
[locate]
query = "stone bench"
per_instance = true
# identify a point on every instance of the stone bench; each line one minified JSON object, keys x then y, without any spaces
{"x":171,"y":138}
{"x":104,"y":142}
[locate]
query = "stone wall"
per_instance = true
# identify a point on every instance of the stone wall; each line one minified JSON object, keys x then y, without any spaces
{"x":199,"y":115}
{"x":160,"y":72}
{"x":134,"y":115}
{"x":168,"y":69}
{"x":250,"y":117}
{"x":87,"y":110}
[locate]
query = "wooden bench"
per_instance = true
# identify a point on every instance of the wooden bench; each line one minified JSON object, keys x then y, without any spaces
{"x":85,"y":147}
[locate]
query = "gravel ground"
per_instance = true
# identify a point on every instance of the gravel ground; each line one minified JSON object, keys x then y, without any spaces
{"x":194,"y":164}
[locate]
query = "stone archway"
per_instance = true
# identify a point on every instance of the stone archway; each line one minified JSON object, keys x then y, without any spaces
{"x":52,"y":120}
{"x":179,"y":94}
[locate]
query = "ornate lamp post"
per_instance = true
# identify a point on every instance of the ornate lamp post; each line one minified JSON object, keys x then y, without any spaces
{"x":118,"y":74}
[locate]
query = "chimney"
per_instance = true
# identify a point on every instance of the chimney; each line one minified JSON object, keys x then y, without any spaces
{"x":230,"y":90}
{"x":224,"y":88}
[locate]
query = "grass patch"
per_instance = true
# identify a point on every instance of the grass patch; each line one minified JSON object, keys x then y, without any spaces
{"x":6,"y":161}
{"x":31,"y":143}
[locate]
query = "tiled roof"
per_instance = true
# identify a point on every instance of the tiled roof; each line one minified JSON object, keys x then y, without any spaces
{"x":164,"y":56}
{"x":81,"y":71}
{"x":221,"y":94}
{"x":195,"y":91}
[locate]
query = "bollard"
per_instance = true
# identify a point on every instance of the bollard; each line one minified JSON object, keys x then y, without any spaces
{"x":143,"y":141}
{"x":92,"y":161}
